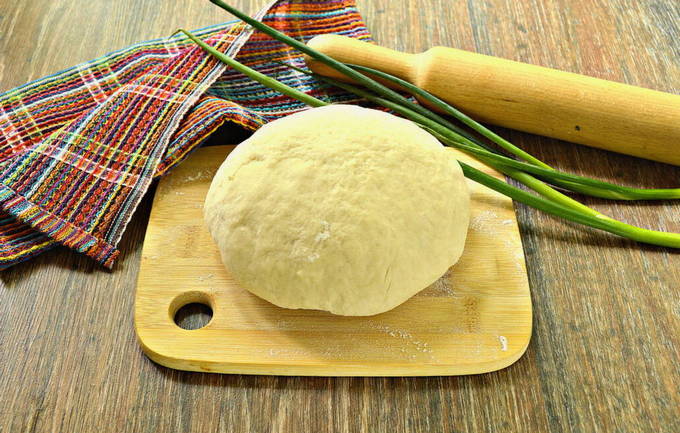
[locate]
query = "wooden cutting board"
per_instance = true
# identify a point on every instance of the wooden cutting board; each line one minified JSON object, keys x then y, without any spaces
{"x":475,"y":319}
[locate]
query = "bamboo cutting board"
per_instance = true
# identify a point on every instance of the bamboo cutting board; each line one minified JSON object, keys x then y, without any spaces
{"x":475,"y":319}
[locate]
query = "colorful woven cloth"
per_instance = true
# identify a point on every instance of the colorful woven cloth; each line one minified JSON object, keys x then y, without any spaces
{"x":79,"y":149}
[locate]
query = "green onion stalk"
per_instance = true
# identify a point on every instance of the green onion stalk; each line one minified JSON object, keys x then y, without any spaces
{"x":532,"y":173}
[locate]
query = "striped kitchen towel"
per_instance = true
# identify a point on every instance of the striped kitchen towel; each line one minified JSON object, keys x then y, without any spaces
{"x":79,"y":149}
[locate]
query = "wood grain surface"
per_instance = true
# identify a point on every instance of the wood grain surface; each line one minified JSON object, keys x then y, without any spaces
{"x":604,"y":356}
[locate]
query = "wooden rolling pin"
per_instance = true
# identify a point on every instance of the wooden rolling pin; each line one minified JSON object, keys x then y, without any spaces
{"x":571,"y":107}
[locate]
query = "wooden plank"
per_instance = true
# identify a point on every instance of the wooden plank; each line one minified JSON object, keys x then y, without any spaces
{"x":604,"y":353}
{"x":475,"y":319}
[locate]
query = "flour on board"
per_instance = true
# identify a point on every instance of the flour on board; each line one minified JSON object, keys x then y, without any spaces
{"x":199,"y":175}
{"x":485,"y":222}
{"x":325,"y":233}
{"x":420,"y":347}
{"x":441,"y":287}
{"x":205,"y":277}
{"x":504,"y":342}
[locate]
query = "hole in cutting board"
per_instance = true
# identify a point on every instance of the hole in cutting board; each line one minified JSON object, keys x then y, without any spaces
{"x":193,"y":316}
{"x":191,"y":310}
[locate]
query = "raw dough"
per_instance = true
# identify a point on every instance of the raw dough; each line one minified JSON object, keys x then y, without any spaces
{"x":339,"y":208}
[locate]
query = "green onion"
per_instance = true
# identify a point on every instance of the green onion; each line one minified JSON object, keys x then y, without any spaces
{"x":255,"y":75}
{"x":613,"y":191}
{"x":553,"y":201}
{"x":606,"y":224}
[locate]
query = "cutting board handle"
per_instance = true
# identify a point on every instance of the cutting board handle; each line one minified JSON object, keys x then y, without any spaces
{"x":564,"y":105}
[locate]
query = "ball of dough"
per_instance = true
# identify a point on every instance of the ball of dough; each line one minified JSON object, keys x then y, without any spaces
{"x":339,"y":208}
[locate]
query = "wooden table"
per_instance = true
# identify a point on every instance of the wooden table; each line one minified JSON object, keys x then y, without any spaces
{"x":604,"y":356}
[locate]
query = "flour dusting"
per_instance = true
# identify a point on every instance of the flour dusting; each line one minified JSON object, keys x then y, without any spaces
{"x":205,"y":277}
{"x":441,"y":287}
{"x":325,"y":233}
{"x":313,"y":257}
{"x":407,"y":338}
{"x":504,"y":342}
{"x":199,"y":175}
{"x":484,"y":221}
